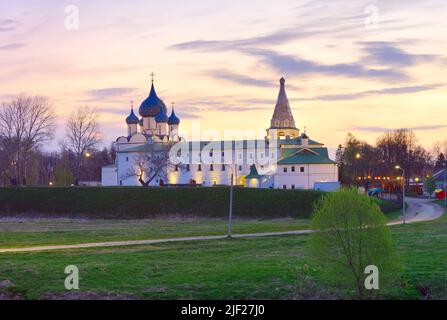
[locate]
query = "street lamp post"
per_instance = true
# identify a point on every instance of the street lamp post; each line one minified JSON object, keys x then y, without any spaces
{"x":358,"y":156}
{"x":403,"y":192}
{"x":88,"y":155}
{"x":230,"y":213}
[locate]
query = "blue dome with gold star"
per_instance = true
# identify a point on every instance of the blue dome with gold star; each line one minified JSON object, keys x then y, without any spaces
{"x":161,"y":117}
{"x":152,"y":105}
{"x":132,"y":118}
{"x":173,"y":119}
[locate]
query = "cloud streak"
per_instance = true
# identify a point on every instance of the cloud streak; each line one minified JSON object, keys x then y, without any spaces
{"x":288,"y":64}
{"x":238,"y":78}
{"x":9,"y":25}
{"x":12,"y":46}
{"x":275,"y":38}
{"x":109,"y":92}
{"x":385,"y":53}
{"x":386,"y":91}
{"x":416,"y":128}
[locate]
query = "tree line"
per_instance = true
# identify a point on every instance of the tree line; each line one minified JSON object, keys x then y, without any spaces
{"x":363,"y":164}
{"x":27,"y":123}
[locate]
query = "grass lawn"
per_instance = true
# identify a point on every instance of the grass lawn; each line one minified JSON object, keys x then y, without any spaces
{"x":259,"y":268}
{"x":393,"y":216}
{"x":441,"y":203}
{"x":33,"y":232}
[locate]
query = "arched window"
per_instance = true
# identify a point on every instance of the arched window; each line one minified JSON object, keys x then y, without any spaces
{"x":277,"y":123}
{"x":286,"y":123}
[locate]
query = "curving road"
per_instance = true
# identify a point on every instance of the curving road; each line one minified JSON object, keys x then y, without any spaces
{"x":418,"y":210}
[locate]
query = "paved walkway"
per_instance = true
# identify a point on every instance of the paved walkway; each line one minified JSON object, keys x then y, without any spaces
{"x":418,"y":210}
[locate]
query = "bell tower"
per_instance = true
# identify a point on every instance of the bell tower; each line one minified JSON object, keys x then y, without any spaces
{"x":282,"y":124}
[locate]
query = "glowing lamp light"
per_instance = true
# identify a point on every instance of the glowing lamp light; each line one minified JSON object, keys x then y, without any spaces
{"x":50,"y":183}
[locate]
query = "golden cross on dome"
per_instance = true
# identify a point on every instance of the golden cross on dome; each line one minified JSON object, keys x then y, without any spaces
{"x":152,"y":76}
{"x":131,"y":103}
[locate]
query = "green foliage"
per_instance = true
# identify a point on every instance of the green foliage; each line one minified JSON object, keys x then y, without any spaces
{"x":387,"y":206}
{"x":62,"y":173}
{"x":351,"y":234}
{"x":136,"y":203}
{"x":430,"y":185}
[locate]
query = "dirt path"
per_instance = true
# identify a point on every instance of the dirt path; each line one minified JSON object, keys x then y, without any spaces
{"x":155,"y":241}
{"x":418,"y":210}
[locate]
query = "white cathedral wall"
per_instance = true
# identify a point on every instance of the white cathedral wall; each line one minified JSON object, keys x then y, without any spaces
{"x":109,"y":177}
{"x":305,"y":180}
{"x":207,"y":177}
{"x":243,"y":158}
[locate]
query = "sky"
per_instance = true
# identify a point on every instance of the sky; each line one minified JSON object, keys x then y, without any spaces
{"x":363,"y":67}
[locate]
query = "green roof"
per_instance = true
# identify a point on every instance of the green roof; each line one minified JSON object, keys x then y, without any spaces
{"x":147,"y":148}
{"x":306,"y":156}
{"x":195,"y":145}
{"x":290,"y":151}
{"x":299,"y":141}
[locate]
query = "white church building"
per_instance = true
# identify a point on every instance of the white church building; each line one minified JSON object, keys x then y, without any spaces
{"x":283,"y":159}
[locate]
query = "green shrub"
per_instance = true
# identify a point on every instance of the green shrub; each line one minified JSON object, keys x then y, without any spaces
{"x":350,"y":234}
{"x":387,"y":206}
{"x":134,"y":203}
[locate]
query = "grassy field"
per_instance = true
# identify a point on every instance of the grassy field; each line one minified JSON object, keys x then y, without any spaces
{"x":20,"y":232}
{"x":261,"y":268}
{"x":34,"y":232}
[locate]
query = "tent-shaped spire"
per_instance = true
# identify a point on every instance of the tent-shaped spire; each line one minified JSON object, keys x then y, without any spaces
{"x":282,"y":116}
{"x":253,"y":173}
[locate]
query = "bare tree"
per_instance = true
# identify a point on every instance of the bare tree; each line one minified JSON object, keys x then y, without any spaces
{"x":147,"y":166}
{"x":83,"y":134}
{"x":440,"y":147}
{"x":25,"y":123}
{"x":400,"y":147}
{"x":152,"y":163}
